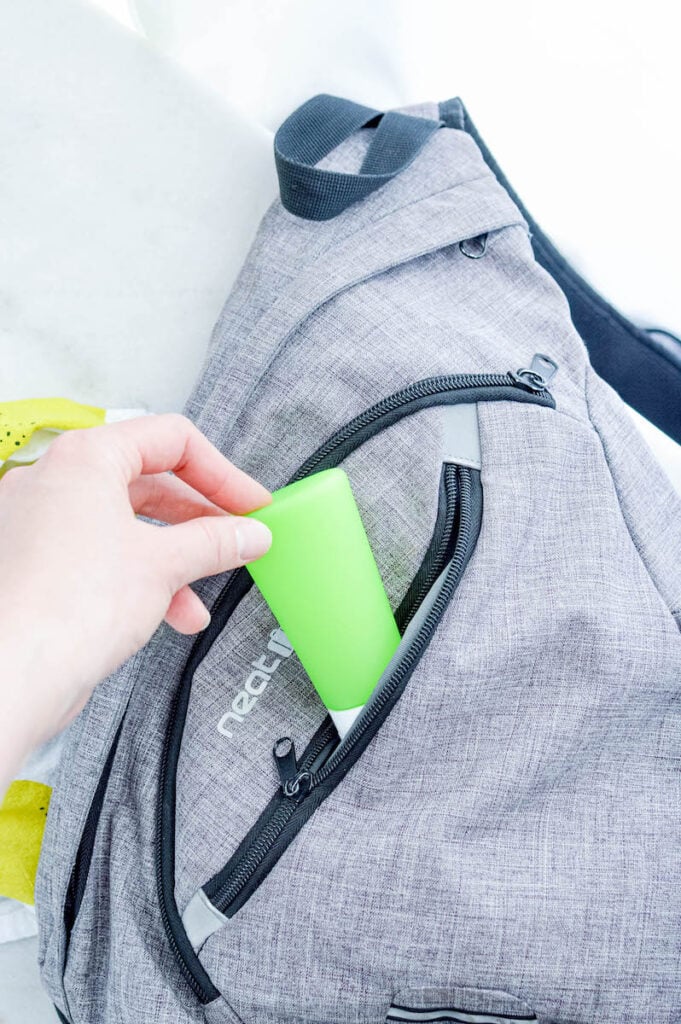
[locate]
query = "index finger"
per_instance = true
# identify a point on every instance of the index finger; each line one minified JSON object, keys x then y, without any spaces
{"x":169,"y":441}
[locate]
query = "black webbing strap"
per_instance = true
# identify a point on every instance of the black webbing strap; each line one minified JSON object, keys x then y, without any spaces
{"x":316,"y":128}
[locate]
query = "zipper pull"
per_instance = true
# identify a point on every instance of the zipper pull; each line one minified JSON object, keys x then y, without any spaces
{"x":284,"y":752}
{"x":294,"y":782}
{"x":542,"y":369}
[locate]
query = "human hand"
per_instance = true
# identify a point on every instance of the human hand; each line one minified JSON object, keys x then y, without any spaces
{"x":84,"y":584}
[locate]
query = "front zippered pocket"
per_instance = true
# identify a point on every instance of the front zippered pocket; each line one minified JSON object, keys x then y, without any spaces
{"x":324,"y":762}
{"x":304,"y":786}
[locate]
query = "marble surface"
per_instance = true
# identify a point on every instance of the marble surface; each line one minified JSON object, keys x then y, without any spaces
{"x":135,"y":171}
{"x":22,"y":999}
{"x":121,"y":227}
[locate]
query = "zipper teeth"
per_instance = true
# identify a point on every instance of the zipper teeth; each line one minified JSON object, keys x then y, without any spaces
{"x":310,"y":755}
{"x":192,"y":981}
{"x":416,"y":649}
{"x":451,"y":483}
{"x":420,"y":389}
{"x":433,"y":385}
{"x":228,"y":892}
{"x":260,"y":848}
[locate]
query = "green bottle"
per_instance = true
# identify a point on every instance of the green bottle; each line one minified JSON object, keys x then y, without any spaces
{"x":322,"y":583}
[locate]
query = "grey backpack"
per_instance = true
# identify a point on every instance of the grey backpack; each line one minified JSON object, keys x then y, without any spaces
{"x":498,"y":836}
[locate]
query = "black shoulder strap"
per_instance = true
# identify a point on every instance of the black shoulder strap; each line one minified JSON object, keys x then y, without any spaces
{"x":644,"y":366}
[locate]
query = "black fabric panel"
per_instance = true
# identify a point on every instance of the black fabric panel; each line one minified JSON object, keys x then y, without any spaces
{"x":643,"y":368}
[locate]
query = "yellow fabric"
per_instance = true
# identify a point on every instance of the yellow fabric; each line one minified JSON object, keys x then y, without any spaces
{"x":22,"y":822}
{"x":20,"y":419}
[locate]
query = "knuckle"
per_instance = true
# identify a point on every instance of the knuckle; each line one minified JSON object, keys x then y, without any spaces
{"x":222,"y":541}
{"x":70,"y":445}
{"x":177,"y":421}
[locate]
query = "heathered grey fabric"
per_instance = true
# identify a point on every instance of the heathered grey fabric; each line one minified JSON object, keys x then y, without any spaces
{"x":510,"y":840}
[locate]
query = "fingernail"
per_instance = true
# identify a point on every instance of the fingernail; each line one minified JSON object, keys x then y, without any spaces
{"x":206,"y":622}
{"x":253,"y":539}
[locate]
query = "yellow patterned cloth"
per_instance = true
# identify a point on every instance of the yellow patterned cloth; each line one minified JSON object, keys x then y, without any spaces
{"x":22,"y":419}
{"x":29,"y":425}
{"x":22,"y":822}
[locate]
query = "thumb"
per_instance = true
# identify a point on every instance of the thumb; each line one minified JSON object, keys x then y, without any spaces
{"x":210,"y":545}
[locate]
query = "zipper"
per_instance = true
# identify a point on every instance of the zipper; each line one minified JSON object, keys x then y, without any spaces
{"x":423,"y":393}
{"x":261,"y":848}
{"x":541,"y":371}
{"x":237,"y":586}
{"x":280,"y":815}
{"x":231,"y":887}
{"x":284,"y":753}
{"x":436,"y":556}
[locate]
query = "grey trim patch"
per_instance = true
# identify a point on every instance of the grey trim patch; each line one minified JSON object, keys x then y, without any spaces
{"x":461,"y":439}
{"x":201,"y":919}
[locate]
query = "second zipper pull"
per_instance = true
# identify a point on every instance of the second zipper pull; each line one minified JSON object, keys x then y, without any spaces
{"x":284,"y":752}
{"x":541,"y":370}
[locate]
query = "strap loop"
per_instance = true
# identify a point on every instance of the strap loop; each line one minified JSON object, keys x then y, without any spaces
{"x":313,"y":130}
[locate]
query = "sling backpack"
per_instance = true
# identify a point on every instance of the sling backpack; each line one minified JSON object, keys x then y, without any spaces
{"x":498,"y":836}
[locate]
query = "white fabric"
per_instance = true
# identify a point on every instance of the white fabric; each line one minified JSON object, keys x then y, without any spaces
{"x":344,"y":719}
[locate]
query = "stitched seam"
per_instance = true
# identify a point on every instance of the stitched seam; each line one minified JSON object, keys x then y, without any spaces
{"x":283,"y":341}
{"x":556,"y":259}
{"x":622,"y":507}
{"x":485,"y":176}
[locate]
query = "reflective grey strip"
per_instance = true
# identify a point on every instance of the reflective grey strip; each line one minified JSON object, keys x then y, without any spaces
{"x":201,"y":919}
{"x":399,"y":1013}
{"x":461,"y":442}
{"x":410,"y":633}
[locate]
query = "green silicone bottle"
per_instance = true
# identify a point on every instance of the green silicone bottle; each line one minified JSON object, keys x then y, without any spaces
{"x":322,"y":583}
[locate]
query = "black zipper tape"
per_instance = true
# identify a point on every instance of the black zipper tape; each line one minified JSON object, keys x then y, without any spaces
{"x":466,"y":533}
{"x":237,"y":586}
{"x":520,"y":386}
{"x":435,"y":558}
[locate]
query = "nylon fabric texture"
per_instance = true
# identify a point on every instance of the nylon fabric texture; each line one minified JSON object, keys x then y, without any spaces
{"x":508,"y":844}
